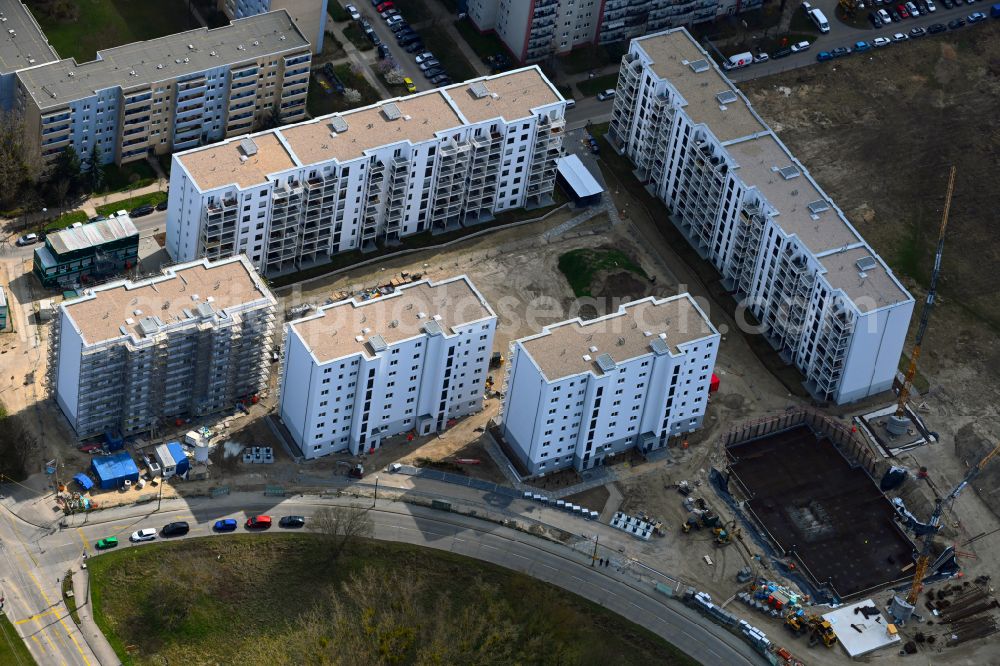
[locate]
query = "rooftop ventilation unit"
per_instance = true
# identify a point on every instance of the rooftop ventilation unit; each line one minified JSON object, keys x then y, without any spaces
{"x":866,"y":263}
{"x":605,"y":363}
{"x":479,"y":90}
{"x":148,"y":326}
{"x":699,"y":65}
{"x":658,"y":346}
{"x":789,"y":172}
{"x":248,"y":147}
{"x":377,"y":343}
{"x":391,"y":111}
{"x":338,"y":124}
{"x":818,"y":206}
{"x":726,"y":97}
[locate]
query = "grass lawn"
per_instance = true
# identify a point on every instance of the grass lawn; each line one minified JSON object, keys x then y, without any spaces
{"x":357,"y":37}
{"x":484,"y":45}
{"x":101,"y":24}
{"x":444,"y":47}
{"x":414,"y":11}
{"x":256,"y":599}
{"x":119,"y":178}
{"x":152,"y":198}
{"x":12,"y":648}
{"x":591,"y":87}
{"x":69,"y":600}
{"x":66,"y":219}
{"x":336,"y":12}
{"x":321,"y":102}
{"x":580,"y":266}
{"x":590,"y":57}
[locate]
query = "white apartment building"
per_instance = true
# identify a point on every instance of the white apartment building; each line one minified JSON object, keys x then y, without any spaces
{"x":356,"y":372}
{"x":581,"y":392}
{"x":135,"y":356}
{"x":432,"y":162}
{"x":537,"y":29}
{"x":823,"y":298}
{"x":310,"y":16}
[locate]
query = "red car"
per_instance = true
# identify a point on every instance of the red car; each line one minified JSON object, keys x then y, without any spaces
{"x":385,"y":6}
{"x":258,"y":523}
{"x":90,"y":448}
{"x":902,"y":11}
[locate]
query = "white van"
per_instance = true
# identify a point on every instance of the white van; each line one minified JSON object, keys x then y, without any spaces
{"x":820,"y":20}
{"x":739,"y":60}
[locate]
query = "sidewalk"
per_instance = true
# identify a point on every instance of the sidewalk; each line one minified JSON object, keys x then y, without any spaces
{"x":90,"y":205}
{"x":358,"y":58}
{"x":95,"y":638}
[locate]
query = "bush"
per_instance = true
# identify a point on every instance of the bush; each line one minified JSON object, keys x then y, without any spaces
{"x":66,"y":220}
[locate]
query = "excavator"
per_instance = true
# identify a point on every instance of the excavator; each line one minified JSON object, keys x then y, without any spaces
{"x":819,"y":630}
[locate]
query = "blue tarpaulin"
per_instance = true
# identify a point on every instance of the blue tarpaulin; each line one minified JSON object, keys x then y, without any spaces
{"x":84,"y":481}
{"x":113,"y":471}
{"x":115,"y":441}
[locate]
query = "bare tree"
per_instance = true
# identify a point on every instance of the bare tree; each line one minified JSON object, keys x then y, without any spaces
{"x":18,"y":447}
{"x":341,"y":526}
{"x":20,"y":162}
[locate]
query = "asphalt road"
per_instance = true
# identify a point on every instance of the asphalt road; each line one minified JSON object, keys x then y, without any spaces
{"x":403,"y":59}
{"x":843,"y":35}
{"x":155,"y":222}
{"x":34,"y":559}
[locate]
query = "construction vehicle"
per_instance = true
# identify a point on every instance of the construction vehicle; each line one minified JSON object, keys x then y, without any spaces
{"x":699,"y":518}
{"x":796,"y":623}
{"x":496,"y":360}
{"x":899,"y":422}
{"x":902,"y":610}
{"x":821,"y":631}
{"x":720,"y":536}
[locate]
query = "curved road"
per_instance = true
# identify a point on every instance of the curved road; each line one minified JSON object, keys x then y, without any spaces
{"x":35,"y":606}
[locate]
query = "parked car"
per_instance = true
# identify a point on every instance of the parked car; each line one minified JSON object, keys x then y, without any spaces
{"x":106,"y":542}
{"x":841,"y":51}
{"x":801,"y":46}
{"x":761,"y":57}
{"x":145,"y":534}
{"x":408,"y":82}
{"x":976,"y":17}
{"x":352,"y":11}
{"x":179,"y":528}
{"x":388,"y":14}
{"x":91,"y":448}
{"x":884,"y":15}
{"x":140,"y":211}
{"x":861,"y":47}
{"x":426,"y":55}
{"x":895,"y":16}
{"x":414,"y":46}
{"x":162,"y":205}
{"x":876,"y":21}
{"x":385,"y":6}
{"x":912,"y":8}
{"x":823,"y":56}
{"x":433,"y":71}
{"x":406,"y":39}
{"x":899,"y":37}
{"x":383,"y":52}
{"x":395,"y":19}
{"x":781,"y":53}
{"x":929,"y":6}
{"x":948,"y":4}
{"x":956,"y":24}
{"x":606,"y":95}
{"x":916,"y":33}
{"x":258,"y":522}
{"x":292,"y":522}
{"x":225,"y":525}
{"x":430,"y":63}
{"x":27,"y":239}
{"x":98,"y":218}
{"x":879,"y":42}
{"x":901,"y":10}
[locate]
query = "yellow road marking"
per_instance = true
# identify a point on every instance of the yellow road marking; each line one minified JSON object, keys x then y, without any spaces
{"x":35,"y":616}
{"x":83,"y":539}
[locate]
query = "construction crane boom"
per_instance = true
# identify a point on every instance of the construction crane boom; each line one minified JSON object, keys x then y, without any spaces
{"x":925,"y":313}
{"x":940,"y":503}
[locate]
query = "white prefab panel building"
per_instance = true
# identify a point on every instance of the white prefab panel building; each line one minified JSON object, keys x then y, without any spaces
{"x":356,"y":372}
{"x":133,"y":356}
{"x":581,"y":392}
{"x":824,"y":299}
{"x":368,"y":178}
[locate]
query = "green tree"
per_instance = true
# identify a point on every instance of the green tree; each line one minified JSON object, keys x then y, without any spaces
{"x":67,"y":168}
{"x":92,"y":173}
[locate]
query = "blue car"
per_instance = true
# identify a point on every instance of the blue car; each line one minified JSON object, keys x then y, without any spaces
{"x":226,"y":525}
{"x":823,"y":56}
{"x":861,"y":47}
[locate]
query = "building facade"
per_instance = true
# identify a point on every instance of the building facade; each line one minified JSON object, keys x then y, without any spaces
{"x":310,"y":16}
{"x":168,"y":94}
{"x":136,"y":356}
{"x":88,"y":252}
{"x":357,"y":372}
{"x":812,"y":286}
{"x":579,"y":393}
{"x":431,"y":162}
{"x":537,"y":29}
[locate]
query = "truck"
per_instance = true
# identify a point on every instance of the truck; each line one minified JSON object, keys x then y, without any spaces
{"x":739,"y":60}
{"x":819,"y":19}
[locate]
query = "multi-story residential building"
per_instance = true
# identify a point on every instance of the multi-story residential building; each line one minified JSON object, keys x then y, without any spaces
{"x":823,"y":298}
{"x":309,"y":15}
{"x":170,"y":93}
{"x":88,"y":252}
{"x":581,"y":392}
{"x":537,"y":29}
{"x":431,"y":162}
{"x":136,"y":356}
{"x":356,"y":372}
{"x":22,"y":45}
